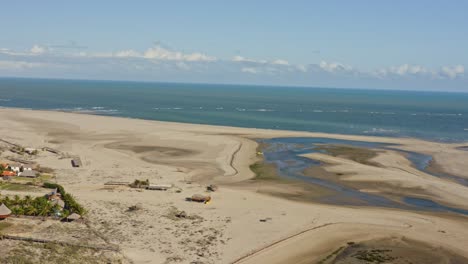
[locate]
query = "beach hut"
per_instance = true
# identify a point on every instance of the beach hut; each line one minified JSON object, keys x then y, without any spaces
{"x":200,"y":198}
{"x":76,"y":163}
{"x":73,"y":217}
{"x":28,"y":174}
{"x":8,"y":173}
{"x":4,"y":211}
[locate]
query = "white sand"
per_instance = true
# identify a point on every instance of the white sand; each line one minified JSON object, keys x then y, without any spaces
{"x":191,"y":156}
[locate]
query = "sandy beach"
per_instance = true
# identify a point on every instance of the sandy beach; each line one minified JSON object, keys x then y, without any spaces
{"x":228,"y":229}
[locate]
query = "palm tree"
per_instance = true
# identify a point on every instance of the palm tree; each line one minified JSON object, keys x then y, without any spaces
{"x":20,"y":211}
{"x":31,"y":210}
{"x":16,"y":199}
{"x":15,"y":210}
{"x":27,"y":200}
{"x":45,"y":210}
{"x":7,"y":201}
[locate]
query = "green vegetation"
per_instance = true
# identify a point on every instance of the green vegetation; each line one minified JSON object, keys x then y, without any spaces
{"x":26,"y":253}
{"x":71,"y":205}
{"x":4,"y":225}
{"x":331,"y":256}
{"x":140,"y":184}
{"x":360,"y":155}
{"x":374,"y":255}
{"x":17,"y":187}
{"x":264,"y":171}
{"x":46,"y":170}
{"x":38,"y":206}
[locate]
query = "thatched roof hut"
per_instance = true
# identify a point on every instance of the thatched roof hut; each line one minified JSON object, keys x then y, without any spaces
{"x":4,"y":211}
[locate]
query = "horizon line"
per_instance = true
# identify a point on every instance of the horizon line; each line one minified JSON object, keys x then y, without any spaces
{"x":234,"y":84}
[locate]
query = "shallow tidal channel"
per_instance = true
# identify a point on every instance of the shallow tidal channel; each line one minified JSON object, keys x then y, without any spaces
{"x":285,"y":155}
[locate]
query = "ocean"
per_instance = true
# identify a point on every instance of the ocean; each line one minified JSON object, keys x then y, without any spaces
{"x":436,"y":116}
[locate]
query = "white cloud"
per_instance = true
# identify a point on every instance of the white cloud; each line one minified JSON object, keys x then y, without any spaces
{"x":408,"y":70}
{"x":453,"y":71}
{"x":160,"y":53}
{"x":158,"y":57}
{"x":254,"y":61}
{"x":334,"y":67}
{"x":19,"y":65}
{"x":127,"y":53}
{"x":280,"y":62}
{"x":154,"y":53}
{"x":301,"y":68}
{"x":250,"y":70}
{"x":248,"y":60}
{"x":36,"y":49}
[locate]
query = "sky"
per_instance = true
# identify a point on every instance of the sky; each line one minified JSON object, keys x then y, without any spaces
{"x":412,"y":45}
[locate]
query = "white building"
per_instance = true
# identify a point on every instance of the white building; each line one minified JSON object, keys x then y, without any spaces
{"x":28,"y":174}
{"x":27,"y":167}
{"x":15,"y":167}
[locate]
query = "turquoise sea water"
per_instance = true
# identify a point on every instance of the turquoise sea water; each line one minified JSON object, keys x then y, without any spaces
{"x":435,"y":116}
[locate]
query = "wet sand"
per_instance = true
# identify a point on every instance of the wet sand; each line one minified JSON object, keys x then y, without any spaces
{"x":393,"y":250}
{"x":229,"y":228}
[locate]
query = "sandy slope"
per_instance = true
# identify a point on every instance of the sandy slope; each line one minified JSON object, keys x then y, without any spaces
{"x":190,"y":156}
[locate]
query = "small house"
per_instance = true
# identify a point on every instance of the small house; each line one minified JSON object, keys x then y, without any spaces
{"x":4,"y":211}
{"x":76,"y":163}
{"x":8,"y":173}
{"x":28,"y":174}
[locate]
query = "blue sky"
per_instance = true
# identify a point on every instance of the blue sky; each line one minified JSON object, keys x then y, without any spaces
{"x":361,"y":44}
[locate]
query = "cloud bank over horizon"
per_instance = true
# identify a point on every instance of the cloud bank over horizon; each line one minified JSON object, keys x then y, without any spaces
{"x":159,"y":63}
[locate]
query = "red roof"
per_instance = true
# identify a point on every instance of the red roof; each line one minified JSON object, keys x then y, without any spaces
{"x":9,"y":173}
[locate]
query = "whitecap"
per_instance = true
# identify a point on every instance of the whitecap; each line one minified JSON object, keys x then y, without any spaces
{"x":262,"y":110}
{"x":380,"y":131}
